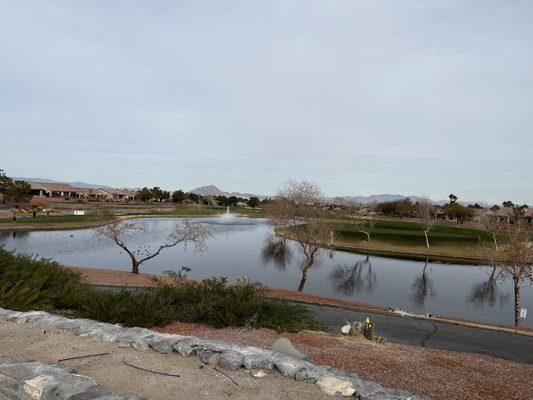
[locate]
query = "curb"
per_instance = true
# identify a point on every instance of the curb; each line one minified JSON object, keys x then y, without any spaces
{"x":225,"y":355}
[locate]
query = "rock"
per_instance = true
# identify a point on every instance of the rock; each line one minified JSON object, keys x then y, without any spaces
{"x":35,"y":387}
{"x":283,"y":345}
{"x":258,"y":373}
{"x":162,"y":345}
{"x":313,"y":373}
{"x":4,"y":312}
{"x":335,"y":386}
{"x":363,"y":387}
{"x":214,"y":345}
{"x":71,"y":386}
{"x":289,"y":365}
{"x":187,"y":346}
{"x":208,"y":357}
{"x":255,"y":358}
{"x":346,"y":329}
{"x":140,"y":345}
{"x":105,"y":333}
{"x":393,"y":394}
{"x":230,"y":360}
{"x":128,"y":336}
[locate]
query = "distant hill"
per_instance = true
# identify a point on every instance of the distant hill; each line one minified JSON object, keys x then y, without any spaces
{"x":212,"y":190}
{"x":82,"y":185}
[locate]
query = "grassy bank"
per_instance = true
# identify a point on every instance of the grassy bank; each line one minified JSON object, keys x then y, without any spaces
{"x":88,"y":221}
{"x":402,"y":239}
{"x":408,"y":238}
{"x":52,"y":219}
{"x":27,"y":283}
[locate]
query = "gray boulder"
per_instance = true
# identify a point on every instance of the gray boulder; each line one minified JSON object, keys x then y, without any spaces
{"x":231,"y":360}
{"x":186,"y":346}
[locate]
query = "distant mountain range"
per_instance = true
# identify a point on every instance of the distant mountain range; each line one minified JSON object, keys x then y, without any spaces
{"x":81,"y":185}
{"x":212,"y":190}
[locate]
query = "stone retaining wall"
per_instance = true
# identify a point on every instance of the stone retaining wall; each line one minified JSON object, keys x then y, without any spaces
{"x":226,"y":355}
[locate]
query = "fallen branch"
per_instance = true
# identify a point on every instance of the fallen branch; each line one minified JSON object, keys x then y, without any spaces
{"x":88,"y":355}
{"x":149,"y":370}
{"x":227,"y":376}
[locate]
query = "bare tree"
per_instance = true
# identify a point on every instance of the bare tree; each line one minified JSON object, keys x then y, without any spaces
{"x":491,"y":225}
{"x":425,"y":211}
{"x":359,"y":217}
{"x":185,"y":233}
{"x":298,"y":211}
{"x":515,"y":259}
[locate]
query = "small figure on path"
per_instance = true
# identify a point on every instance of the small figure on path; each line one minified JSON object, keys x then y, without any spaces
{"x":34,"y":214}
{"x":368,"y":329}
{"x":14,"y":217}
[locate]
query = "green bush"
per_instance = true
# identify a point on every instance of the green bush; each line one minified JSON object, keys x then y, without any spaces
{"x":143,"y":308}
{"x":27,"y":283}
{"x":218,"y":304}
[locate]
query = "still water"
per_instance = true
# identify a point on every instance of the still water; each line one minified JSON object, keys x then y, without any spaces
{"x":239,"y":247}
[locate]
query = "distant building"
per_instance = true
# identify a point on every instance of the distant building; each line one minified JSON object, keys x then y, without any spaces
{"x":45,"y":189}
{"x":61,"y":190}
{"x":506,"y":215}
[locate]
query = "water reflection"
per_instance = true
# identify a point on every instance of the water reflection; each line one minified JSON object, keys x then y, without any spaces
{"x":4,"y":235}
{"x":238,"y":248}
{"x":277,"y":252}
{"x":487,"y":292}
{"x":357,"y":278}
{"x":422,"y":287}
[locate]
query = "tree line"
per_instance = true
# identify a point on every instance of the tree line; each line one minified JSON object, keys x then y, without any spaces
{"x":451,"y":210}
{"x":179,"y":196}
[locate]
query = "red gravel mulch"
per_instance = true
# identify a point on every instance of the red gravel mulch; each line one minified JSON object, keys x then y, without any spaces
{"x":441,"y":374}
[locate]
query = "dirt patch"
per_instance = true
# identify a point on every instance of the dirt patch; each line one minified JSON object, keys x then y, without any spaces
{"x":441,"y":374}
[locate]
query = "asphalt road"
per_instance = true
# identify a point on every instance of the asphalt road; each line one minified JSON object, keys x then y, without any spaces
{"x":438,"y":335}
{"x":416,"y":332}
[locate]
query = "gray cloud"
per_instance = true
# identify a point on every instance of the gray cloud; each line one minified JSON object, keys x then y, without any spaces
{"x":358,"y":96}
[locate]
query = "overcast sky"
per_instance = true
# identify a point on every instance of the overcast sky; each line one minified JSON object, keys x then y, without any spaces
{"x":361,"y":97}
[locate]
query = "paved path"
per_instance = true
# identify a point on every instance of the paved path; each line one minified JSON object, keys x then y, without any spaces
{"x":438,"y":335}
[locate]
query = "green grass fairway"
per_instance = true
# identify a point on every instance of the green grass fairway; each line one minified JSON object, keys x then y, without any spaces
{"x":43,"y":219}
{"x":410,"y":233}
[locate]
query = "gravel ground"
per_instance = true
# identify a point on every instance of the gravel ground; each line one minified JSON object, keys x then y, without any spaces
{"x":438,"y":373}
{"x":50,"y":345}
{"x":441,"y":374}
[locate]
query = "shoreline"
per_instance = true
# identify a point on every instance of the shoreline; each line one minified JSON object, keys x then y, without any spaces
{"x":407,"y":255}
{"x":66,"y":226}
{"x":117,"y":278}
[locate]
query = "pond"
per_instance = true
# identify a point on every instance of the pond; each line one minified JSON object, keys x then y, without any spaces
{"x":239,"y":247}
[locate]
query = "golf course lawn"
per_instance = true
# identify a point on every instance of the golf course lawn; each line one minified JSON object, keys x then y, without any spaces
{"x":408,"y":237}
{"x":43,"y":219}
